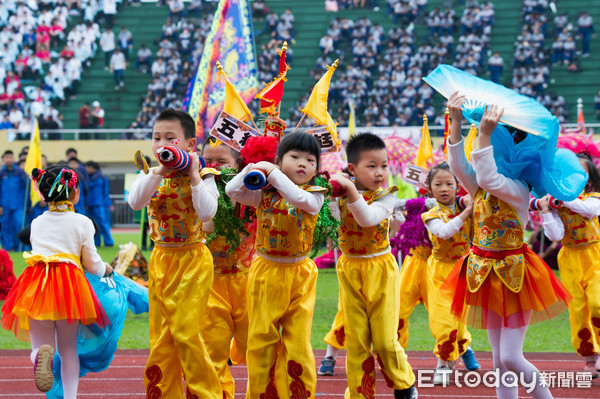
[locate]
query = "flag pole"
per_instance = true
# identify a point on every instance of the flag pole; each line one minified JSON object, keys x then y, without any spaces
{"x":220,"y":69}
{"x":299,"y":123}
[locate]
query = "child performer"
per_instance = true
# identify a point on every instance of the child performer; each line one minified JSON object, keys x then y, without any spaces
{"x":52,"y":295}
{"x":180,"y":272}
{"x":368,"y":273}
{"x":521,"y":285}
{"x":226,"y":314}
{"x":282,"y":280}
{"x":450,"y":234}
{"x":579,"y":264}
{"x":413,"y":285}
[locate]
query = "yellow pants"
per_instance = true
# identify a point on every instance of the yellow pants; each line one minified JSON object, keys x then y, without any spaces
{"x":580,"y":273}
{"x":336,"y":337}
{"x":226,"y":317}
{"x":413,"y":288}
{"x":281,"y":303}
{"x":451,"y":337}
{"x":370,"y":293}
{"x":179,"y":283}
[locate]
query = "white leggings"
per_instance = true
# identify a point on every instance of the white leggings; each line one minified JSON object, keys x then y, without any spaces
{"x":507,"y":353}
{"x":60,"y":335}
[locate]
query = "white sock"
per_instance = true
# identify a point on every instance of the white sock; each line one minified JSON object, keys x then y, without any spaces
{"x":331,"y":352}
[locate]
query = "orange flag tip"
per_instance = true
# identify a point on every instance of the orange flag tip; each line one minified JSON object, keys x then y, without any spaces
{"x":424,"y":117}
{"x":335,"y":64}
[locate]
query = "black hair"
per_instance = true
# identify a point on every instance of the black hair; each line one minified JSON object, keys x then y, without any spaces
{"x":93,"y":164}
{"x":360,"y":143}
{"x":7,"y":152}
{"x":187,"y":123}
{"x":71,"y":149}
{"x":212,"y":140}
{"x":47,"y":179}
{"x":517,"y":135}
{"x":300,"y":142}
{"x":74,"y":159}
{"x":593,"y":184}
{"x":433,"y":171}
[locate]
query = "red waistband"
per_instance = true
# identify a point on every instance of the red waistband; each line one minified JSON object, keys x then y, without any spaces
{"x":497,"y":254}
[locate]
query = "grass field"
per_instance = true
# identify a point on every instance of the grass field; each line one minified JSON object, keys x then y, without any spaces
{"x":549,"y":336}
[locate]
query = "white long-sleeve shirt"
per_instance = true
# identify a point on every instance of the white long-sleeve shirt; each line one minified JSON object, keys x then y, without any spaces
{"x":484,"y":173}
{"x":310,"y":202}
{"x":368,"y":215}
{"x":445,"y":230}
{"x":554,"y":227}
{"x":66,"y":232}
{"x":204,"y":195}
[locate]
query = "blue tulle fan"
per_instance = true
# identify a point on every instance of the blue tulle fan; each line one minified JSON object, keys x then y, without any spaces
{"x":521,"y":112}
{"x":96,"y":346}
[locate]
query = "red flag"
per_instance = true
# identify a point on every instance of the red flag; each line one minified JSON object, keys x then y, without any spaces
{"x":270,"y":96}
{"x":446,"y":133}
{"x":282,"y":64}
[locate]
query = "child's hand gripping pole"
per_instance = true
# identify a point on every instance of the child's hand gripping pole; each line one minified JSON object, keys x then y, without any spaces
{"x":174,"y":158}
{"x":554,"y":203}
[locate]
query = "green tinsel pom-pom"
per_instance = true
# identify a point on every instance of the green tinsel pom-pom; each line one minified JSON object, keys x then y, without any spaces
{"x":327,"y":225}
{"x":226,"y":222}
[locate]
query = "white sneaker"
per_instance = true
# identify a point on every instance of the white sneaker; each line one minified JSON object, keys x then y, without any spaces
{"x":441,"y":376}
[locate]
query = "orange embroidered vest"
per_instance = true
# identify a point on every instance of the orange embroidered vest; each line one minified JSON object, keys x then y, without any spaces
{"x":238,"y":261}
{"x":497,"y":227}
{"x":579,"y":230}
{"x":456,"y":246}
{"x":171,"y":214}
{"x":282,"y":230}
{"x":359,"y":241}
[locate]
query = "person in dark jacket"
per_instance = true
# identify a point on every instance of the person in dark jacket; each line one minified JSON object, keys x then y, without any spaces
{"x":98,"y":203}
{"x":13,"y":187}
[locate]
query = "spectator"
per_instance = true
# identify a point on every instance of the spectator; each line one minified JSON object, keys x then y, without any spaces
{"x":144,"y":56}
{"x":74,"y":163}
{"x":259,"y":10}
{"x":125,"y":41}
{"x":326,"y":44}
{"x":175,"y":10}
{"x":97,"y":117}
{"x":586,"y":29}
{"x":99,"y":204}
{"x":84,"y":116}
{"x":110,"y":9}
{"x":495,"y":67}
{"x":13,"y":186}
{"x":107,"y":44}
{"x":6,"y":124}
{"x":118,"y":64}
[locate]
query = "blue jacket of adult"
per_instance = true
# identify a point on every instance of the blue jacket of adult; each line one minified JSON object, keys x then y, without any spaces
{"x":98,"y":192}
{"x":13,"y":184}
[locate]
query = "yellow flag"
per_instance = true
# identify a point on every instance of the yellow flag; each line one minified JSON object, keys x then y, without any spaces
{"x":316,"y":106}
{"x":424,"y":153}
{"x":351,"y":121}
{"x":34,"y":160}
{"x":234,"y":105}
{"x":469,"y":141}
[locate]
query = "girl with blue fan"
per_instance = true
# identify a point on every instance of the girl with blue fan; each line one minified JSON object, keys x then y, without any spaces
{"x":576,"y":225}
{"x":501,"y":285}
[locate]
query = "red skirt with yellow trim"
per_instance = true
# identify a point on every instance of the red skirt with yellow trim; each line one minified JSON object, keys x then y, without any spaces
{"x":65,"y":295}
{"x":542,"y":294}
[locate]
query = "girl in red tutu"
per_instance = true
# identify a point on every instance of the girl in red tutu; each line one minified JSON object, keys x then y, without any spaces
{"x":52,"y":295}
{"x":500,"y":285}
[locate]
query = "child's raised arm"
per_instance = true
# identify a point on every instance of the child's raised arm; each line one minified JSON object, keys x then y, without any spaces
{"x":554,"y":228}
{"x":310,"y":202}
{"x":588,"y":208}
{"x":445,"y":230}
{"x":142,"y":189}
{"x":205,"y":198}
{"x":237,"y":191}
{"x":459,"y":166}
